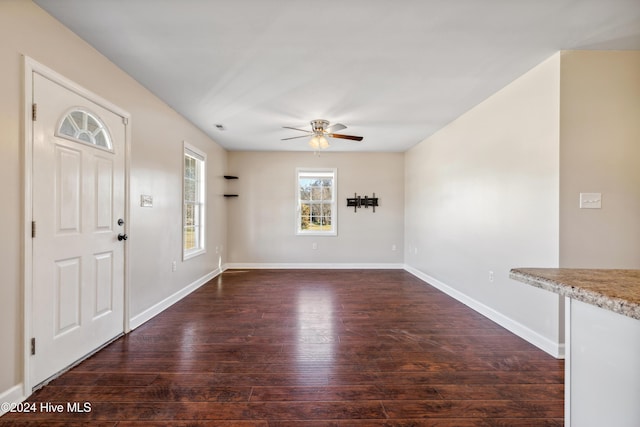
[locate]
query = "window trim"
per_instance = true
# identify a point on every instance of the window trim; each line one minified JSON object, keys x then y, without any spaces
{"x":334,"y":202}
{"x":193,"y":152}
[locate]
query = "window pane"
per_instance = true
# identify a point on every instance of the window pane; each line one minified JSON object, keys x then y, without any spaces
{"x":188,"y":215}
{"x":196,"y":237}
{"x":304,"y":223}
{"x":85,"y":137}
{"x":190,"y":193}
{"x":305,"y":188}
{"x":101,"y":139}
{"x":92,"y":124}
{"x":67,"y":127}
{"x":327,"y":193}
{"x":189,"y":237}
{"x":305,"y":194}
{"x":305,"y":216}
{"x":78,"y":118}
{"x":189,"y":167}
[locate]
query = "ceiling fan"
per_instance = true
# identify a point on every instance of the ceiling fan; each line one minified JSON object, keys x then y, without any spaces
{"x":320,"y":129}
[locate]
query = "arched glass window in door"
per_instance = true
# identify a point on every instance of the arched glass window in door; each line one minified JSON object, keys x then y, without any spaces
{"x":82,"y":126}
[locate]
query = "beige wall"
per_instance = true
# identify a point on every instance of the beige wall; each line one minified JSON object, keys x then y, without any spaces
{"x":156,"y":169}
{"x":600,"y":153}
{"x":262,"y":225}
{"x":495,"y":189}
{"x":482,"y":195}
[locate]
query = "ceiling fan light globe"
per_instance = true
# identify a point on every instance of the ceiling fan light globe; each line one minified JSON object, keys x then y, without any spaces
{"x":318,"y":142}
{"x":323,"y":142}
{"x":314,"y":142}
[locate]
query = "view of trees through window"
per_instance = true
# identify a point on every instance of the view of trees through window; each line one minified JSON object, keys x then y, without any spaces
{"x":316,"y":202}
{"x":316,"y":198}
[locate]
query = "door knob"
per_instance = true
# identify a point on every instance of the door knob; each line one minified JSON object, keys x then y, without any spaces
{"x":122,"y":237}
{"x":120,"y":222}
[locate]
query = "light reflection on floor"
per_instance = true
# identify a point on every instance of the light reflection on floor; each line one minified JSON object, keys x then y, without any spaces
{"x":315,"y":324}
{"x":184,"y":359}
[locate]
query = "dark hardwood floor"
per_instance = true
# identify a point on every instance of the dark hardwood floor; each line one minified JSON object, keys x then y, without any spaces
{"x":314,"y":348}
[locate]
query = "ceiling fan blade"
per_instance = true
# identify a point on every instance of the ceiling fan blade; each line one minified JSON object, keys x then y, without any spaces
{"x":301,"y":130}
{"x":295,"y":137}
{"x":335,"y":127}
{"x":340,"y":136}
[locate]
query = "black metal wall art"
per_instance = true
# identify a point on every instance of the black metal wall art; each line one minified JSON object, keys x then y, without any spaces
{"x":358,"y":202}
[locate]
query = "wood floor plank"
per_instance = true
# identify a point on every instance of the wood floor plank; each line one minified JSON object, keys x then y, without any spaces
{"x":288,"y":348}
{"x":473,"y":409}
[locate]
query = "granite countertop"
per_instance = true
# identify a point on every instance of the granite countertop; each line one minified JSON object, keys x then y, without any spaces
{"x":615,"y":290}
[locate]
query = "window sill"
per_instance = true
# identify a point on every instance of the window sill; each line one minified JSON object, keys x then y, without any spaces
{"x":317,"y":233}
{"x":193,"y":254}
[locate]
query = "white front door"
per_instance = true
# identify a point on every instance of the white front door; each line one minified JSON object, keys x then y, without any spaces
{"x":78,"y":199}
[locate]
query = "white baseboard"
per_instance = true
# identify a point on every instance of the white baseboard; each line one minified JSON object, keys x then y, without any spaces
{"x":551,"y":347}
{"x":158,"y":308}
{"x":14,"y":395}
{"x":328,"y":266}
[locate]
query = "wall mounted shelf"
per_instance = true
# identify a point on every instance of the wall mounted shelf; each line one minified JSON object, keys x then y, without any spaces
{"x":230,"y":177}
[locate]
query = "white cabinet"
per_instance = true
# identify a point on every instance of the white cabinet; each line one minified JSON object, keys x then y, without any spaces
{"x":602,"y":367}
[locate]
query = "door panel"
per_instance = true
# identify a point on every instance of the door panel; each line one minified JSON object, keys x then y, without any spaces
{"x":68,"y":189}
{"x":104,"y":195}
{"x":67,"y":296}
{"x":78,"y":262}
{"x":104,"y":284}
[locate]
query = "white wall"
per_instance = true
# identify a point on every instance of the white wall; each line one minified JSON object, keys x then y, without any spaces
{"x":262,"y":225}
{"x":482,"y":195}
{"x":156,"y":169}
{"x":600,"y":153}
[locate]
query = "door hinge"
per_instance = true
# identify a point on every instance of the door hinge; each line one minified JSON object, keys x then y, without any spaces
{"x":33,"y":346}
{"x":34,"y":111}
{"x":33,"y":229}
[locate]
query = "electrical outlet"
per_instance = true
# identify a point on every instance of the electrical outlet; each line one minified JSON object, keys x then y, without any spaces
{"x":393,"y":247}
{"x":174,"y":266}
{"x":314,"y":246}
{"x":491,"y":276}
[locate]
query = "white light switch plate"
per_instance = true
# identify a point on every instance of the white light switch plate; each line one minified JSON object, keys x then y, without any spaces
{"x":146,"y":201}
{"x":590,"y":200}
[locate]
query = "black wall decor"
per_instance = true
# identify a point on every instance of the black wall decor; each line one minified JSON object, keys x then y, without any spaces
{"x":358,"y":202}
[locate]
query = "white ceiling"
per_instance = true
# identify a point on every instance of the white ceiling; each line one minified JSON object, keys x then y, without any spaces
{"x":393,"y":71}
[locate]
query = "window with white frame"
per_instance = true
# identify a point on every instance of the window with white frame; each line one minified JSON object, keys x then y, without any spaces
{"x":193,"y":218}
{"x":316,"y":207}
{"x":82,"y":126}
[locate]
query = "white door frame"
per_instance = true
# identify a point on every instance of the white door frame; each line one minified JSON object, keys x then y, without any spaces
{"x":31,"y":66}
